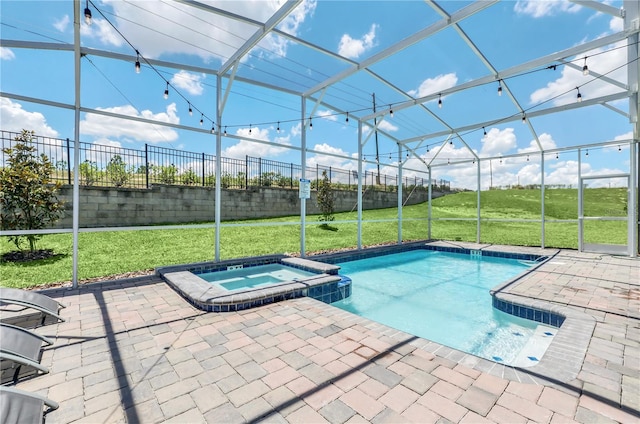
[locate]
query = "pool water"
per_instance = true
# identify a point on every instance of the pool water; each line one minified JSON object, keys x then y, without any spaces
{"x":444,"y":297}
{"x":255,"y":276}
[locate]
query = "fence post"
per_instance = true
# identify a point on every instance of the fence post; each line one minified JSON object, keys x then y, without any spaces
{"x":246,"y":172}
{"x":146,"y":164}
{"x":68,"y":162}
{"x":291,"y":176}
{"x":260,"y":172}
{"x":317,"y":176}
{"x":203,"y":169}
{"x":330,"y":179}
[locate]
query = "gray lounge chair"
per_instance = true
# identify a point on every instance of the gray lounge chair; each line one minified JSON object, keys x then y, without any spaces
{"x":20,"y":352}
{"x":47,"y":307}
{"x":20,"y":407}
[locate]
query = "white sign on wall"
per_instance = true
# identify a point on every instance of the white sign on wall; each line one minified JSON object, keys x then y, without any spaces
{"x":305,"y":189}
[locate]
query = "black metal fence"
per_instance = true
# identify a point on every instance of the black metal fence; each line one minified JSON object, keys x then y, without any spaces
{"x":114,"y":166}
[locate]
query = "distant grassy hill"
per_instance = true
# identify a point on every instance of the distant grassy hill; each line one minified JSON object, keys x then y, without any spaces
{"x":560,"y":204}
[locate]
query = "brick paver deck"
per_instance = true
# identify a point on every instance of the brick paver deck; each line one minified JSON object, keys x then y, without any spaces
{"x":135,"y":351}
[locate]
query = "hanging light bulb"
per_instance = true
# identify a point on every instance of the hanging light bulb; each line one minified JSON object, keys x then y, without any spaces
{"x":585,"y":68}
{"x":249,"y":128}
{"x":524,"y":118}
{"x":484,"y":131}
{"x":500,"y":159}
{"x":499,"y":88}
{"x":347,"y":120}
{"x":527,"y":158}
{"x":587,"y":153}
{"x":557,"y":155}
{"x":451,"y":142}
{"x":190,"y":110}
{"x":201,"y":119}
{"x":213,"y":128}
{"x":278,"y":128}
{"x":390,"y":157}
{"x":440,"y":101}
{"x":137,"y":62}
{"x":390,"y":111}
{"x":225,"y":130}
{"x":310,"y":124}
{"x":87,"y":14}
{"x":407,"y":154}
{"x":579,"y":96}
{"x":619,"y":148}
{"x":448,"y":161}
{"x":166,"y":91}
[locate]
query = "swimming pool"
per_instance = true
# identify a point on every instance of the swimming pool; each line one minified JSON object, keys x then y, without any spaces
{"x":444,"y":297}
{"x":238,"y":277}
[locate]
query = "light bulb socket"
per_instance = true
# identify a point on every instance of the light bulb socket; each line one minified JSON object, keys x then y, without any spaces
{"x":137,"y":66}
{"x":87,"y":15}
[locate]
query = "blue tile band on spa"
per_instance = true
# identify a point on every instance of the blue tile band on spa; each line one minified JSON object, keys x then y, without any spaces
{"x":527,"y":312}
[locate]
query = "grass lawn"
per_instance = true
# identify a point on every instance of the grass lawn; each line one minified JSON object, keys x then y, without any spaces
{"x":111,"y":253}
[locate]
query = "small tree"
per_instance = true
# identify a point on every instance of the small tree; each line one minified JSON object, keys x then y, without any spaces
{"x":28,"y":196}
{"x":117,"y":171}
{"x":325,"y":199}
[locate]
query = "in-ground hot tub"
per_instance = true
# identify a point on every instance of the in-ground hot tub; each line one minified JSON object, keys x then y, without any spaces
{"x":242,"y":284}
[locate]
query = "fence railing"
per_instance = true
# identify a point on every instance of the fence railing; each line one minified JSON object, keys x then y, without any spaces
{"x":102,"y":165}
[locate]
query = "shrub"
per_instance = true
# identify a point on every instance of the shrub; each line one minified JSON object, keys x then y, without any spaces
{"x":117,"y":171}
{"x":89,"y":173}
{"x":325,"y":199}
{"x":28,"y":195}
{"x":189,"y":177}
{"x":166,"y":174}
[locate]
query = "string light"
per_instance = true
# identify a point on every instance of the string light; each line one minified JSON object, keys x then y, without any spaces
{"x":278,"y":128}
{"x":587,"y":153}
{"x":619,"y":148}
{"x":579,"y":96}
{"x":347,"y":120}
{"x":137,"y":62}
{"x":390,"y":111}
{"x":524,"y":118}
{"x":451,"y":142}
{"x":484,"y":131}
{"x":407,"y":154}
{"x":201,"y":119}
{"x":87,"y":14}
{"x":440,"y":101}
{"x":166,"y":91}
{"x":225,"y":130}
{"x":499,"y":88}
{"x":190,"y":110}
{"x":249,"y":128}
{"x":585,"y":68}
{"x":213,"y":128}
{"x":310,"y":124}
{"x":527,"y":158}
{"x":557,"y":155}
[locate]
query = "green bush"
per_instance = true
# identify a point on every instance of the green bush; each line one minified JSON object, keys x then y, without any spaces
{"x":28,"y":195}
{"x":89,"y":173}
{"x":165,"y":174}
{"x":189,"y":177}
{"x":117,"y":171}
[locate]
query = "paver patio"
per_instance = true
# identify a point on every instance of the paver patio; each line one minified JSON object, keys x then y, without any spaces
{"x":135,"y":351}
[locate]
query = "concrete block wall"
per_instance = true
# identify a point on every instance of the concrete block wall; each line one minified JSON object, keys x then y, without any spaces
{"x":166,"y":204}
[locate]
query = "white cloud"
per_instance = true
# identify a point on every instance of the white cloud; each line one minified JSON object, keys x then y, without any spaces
{"x":107,"y":126}
{"x":14,"y":118}
{"x":171,"y":27}
{"x":563,"y":89}
{"x":190,"y":82}
{"x":543,"y":8}
{"x":247,"y":147}
{"x":498,"y":142}
{"x":434,"y":85}
{"x":101,"y":29}
{"x":291,"y":25}
{"x":62,"y":24}
{"x":387,"y":126}
{"x":354,"y":48}
{"x":6,"y":54}
{"x":546,"y":141}
{"x":616,"y":24}
{"x":332,"y":161}
{"x":328,"y":115}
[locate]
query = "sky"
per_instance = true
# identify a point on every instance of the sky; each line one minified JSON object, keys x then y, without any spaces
{"x":507,"y":34}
